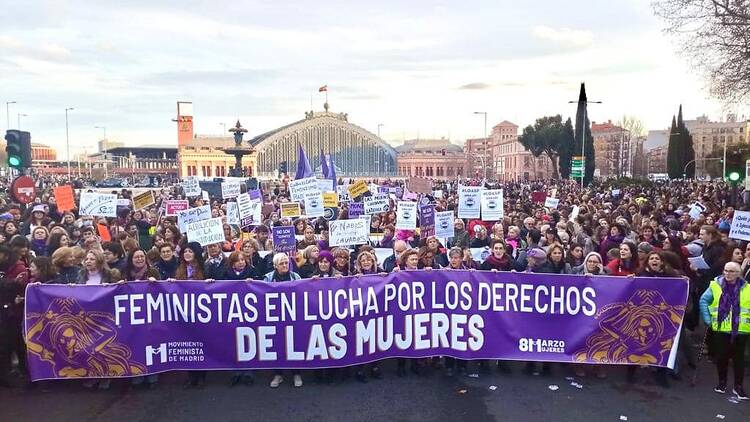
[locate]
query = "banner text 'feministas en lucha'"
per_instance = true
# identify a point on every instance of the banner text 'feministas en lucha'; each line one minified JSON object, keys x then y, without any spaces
{"x":149,"y":327}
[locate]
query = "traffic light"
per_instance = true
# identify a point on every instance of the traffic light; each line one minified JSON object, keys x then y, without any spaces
{"x":18,"y":148}
{"x":735,"y":166}
{"x":283,"y":167}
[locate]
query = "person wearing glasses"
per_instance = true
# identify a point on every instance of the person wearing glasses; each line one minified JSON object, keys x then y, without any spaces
{"x":725,"y":307}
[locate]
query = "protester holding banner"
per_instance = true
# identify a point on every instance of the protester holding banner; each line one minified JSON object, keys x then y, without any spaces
{"x":167,"y":262}
{"x":434,"y":247}
{"x":341,"y":263}
{"x":214,"y":262}
{"x":41,"y":270}
{"x":556,"y":256}
{"x":137,"y":268}
{"x":236,"y":268}
{"x":324,"y":265}
{"x":498,"y":260}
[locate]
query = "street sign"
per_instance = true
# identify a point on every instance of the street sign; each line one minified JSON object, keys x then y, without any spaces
{"x":23,"y":189}
{"x":577,"y":166}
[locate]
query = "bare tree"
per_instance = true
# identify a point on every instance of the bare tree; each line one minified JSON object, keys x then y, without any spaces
{"x":633,"y":125}
{"x":715,"y":35}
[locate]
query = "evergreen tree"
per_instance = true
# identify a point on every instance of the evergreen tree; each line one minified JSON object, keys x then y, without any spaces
{"x":583,"y":136}
{"x":685,"y":147}
{"x":674,"y":155}
{"x":566,"y":149}
{"x":548,"y":136}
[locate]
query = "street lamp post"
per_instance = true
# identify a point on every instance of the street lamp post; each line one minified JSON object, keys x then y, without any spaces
{"x":379,"y":126}
{"x":7,"y":112}
{"x":19,"y":119}
{"x":105,"y":147}
{"x":67,"y":139}
{"x":583,"y":135}
{"x":484,"y":161}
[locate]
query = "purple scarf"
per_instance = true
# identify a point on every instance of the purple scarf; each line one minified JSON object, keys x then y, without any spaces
{"x":730,"y":301}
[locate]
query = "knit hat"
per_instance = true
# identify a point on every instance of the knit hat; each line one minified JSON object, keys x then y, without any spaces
{"x":39,"y":208}
{"x":536,"y":253}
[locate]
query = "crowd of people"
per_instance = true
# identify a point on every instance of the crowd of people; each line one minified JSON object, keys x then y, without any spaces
{"x":636,"y":229}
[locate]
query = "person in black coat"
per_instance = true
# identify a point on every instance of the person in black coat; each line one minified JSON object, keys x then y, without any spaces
{"x":215,"y":262}
{"x":167,"y":263}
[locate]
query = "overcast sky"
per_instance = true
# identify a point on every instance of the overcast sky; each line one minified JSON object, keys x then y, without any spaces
{"x":418,"y":67}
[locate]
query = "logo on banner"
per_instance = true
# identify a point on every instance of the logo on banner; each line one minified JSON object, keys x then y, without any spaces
{"x":444,"y":224}
{"x":634,"y":331}
{"x":469,"y":202}
{"x":76,"y":346}
{"x":161,"y":351}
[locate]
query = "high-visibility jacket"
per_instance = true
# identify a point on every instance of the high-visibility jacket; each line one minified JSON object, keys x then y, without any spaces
{"x":726,"y":325}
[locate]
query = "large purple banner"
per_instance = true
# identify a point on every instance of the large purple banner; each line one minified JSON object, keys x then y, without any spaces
{"x":149,"y":327}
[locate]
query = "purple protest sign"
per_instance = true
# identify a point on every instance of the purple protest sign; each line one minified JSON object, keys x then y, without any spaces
{"x":255,"y":194}
{"x":283,"y":239}
{"x":383,"y":190}
{"x":426,"y":221}
{"x":356,"y":209}
{"x":140,"y":328}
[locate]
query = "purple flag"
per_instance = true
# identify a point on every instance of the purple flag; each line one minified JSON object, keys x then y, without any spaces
{"x":303,"y":166}
{"x":139,"y":328}
{"x":331,"y":171}
{"x":324,"y":164}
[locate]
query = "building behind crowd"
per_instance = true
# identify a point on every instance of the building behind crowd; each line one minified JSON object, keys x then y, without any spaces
{"x":656,"y":160}
{"x":355,"y":151}
{"x":479,"y":153}
{"x":511,"y":161}
{"x":612,"y":150}
{"x":433,"y":158}
{"x":709,"y":138}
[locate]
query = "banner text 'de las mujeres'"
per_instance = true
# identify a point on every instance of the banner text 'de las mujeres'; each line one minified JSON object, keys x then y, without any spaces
{"x":140,"y":328}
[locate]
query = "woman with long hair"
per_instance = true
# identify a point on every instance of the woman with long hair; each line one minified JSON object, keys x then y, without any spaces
{"x":366,"y":264}
{"x":341,"y":261}
{"x":57,"y":240}
{"x":190,"y":267}
{"x":310,"y":260}
{"x":137,"y":268}
{"x":41,"y":270}
{"x":95,"y":270}
{"x":627,"y":263}
{"x":556,"y":257}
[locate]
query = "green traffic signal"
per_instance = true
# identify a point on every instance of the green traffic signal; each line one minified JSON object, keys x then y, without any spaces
{"x":14,"y":161}
{"x":734,"y":176}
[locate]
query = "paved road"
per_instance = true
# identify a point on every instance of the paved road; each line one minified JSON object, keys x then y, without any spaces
{"x":518,"y":397}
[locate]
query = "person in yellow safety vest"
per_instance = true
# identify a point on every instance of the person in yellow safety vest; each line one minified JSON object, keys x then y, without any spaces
{"x":725,"y":308}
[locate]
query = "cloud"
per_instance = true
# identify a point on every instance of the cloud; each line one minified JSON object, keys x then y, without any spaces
{"x":44,"y":51}
{"x":476,"y":85}
{"x":564,"y":36}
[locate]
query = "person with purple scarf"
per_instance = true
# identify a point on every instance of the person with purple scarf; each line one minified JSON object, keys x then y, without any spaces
{"x":725,"y":307}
